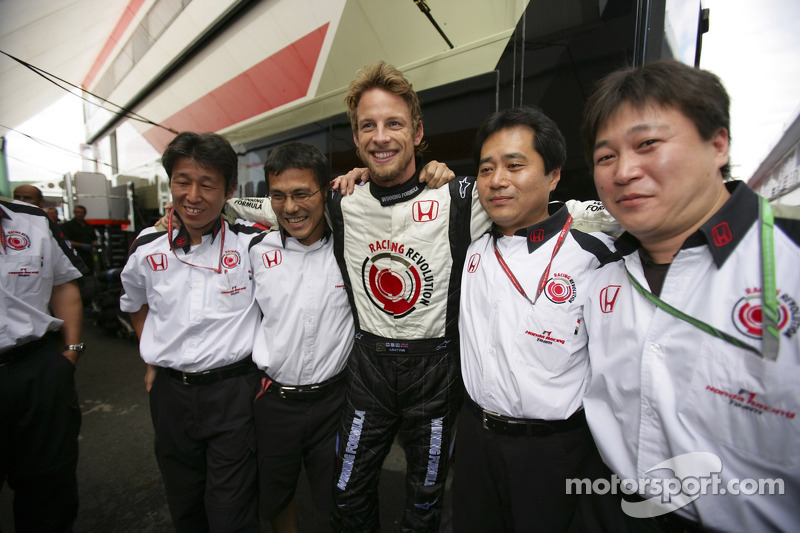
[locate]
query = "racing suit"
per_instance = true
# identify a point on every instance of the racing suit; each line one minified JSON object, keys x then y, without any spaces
{"x":401,"y":252}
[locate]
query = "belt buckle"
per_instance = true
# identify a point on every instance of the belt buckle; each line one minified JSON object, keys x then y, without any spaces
{"x":185,"y":376}
{"x":485,"y":419}
{"x":283,"y":390}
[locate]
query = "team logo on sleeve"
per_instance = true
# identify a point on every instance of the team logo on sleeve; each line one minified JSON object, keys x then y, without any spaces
{"x":231,"y":258}
{"x":608,"y":298}
{"x":396,"y":278}
{"x":747,"y":317}
{"x":157,"y":262}
{"x":560,"y":289}
{"x":474,"y":261}
{"x":272,"y":258}
{"x":17,"y":240}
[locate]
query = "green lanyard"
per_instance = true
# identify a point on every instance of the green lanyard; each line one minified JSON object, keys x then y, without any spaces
{"x":770,"y":335}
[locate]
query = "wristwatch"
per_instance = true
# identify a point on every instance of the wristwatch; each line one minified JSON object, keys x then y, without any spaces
{"x":80,"y":348}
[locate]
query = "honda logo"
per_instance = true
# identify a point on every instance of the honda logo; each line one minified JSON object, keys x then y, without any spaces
{"x":272,"y":258}
{"x":425,"y":210}
{"x":721,"y":234}
{"x":157,"y":262}
{"x":537,"y":235}
{"x":474,"y":261}
{"x":608,"y":298}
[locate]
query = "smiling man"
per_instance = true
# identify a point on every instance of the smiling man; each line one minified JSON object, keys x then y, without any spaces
{"x":522,"y":432}
{"x":400,"y":246}
{"x":191,"y":299}
{"x":693,"y":329}
{"x":304,"y":339}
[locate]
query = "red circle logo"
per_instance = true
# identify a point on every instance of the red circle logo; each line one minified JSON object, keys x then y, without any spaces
{"x":17,"y":240}
{"x":392,"y":283}
{"x":748,"y":319}
{"x":231,"y":258}
{"x":560,"y":289}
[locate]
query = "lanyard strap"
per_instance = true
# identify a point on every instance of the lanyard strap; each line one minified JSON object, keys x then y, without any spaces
{"x":699,"y":324}
{"x":543,"y":280}
{"x":218,"y":270}
{"x":770,"y":336}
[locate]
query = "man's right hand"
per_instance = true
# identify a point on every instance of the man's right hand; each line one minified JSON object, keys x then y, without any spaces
{"x":150,"y":377}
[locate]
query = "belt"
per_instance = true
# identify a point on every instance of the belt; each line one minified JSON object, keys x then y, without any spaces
{"x":20,"y":352}
{"x":516,"y":427}
{"x":302,"y":392}
{"x":206,"y":377}
{"x":386,"y":346}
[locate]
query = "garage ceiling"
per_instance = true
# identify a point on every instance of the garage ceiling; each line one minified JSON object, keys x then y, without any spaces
{"x":61,"y":37}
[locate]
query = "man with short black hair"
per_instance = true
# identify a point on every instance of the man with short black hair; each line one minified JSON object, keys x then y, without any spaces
{"x":693,"y":329}
{"x":522,"y":432}
{"x":190,"y":295}
{"x":304,"y":339}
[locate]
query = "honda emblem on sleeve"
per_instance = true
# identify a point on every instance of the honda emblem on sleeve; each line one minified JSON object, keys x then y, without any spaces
{"x":272,"y":258}
{"x":608,"y":298}
{"x":474,"y":261}
{"x":157,"y":262}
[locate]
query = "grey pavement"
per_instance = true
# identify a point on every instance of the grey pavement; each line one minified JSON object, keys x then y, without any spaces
{"x":119,"y":483}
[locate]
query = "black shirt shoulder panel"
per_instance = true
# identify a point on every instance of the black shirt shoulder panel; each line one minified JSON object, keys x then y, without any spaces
{"x":244,"y":228}
{"x":145,"y":239}
{"x":257,"y":239}
{"x":790,"y":227}
{"x":595,"y":246}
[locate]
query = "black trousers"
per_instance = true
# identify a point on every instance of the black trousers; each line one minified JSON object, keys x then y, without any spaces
{"x":39,"y":424}
{"x":292,"y":433}
{"x":518,"y":483}
{"x":416,"y":395}
{"x":206,"y":450}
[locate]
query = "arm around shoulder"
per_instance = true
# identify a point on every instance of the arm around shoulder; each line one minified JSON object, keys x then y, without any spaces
{"x":591,"y":216}
{"x":254,"y":209}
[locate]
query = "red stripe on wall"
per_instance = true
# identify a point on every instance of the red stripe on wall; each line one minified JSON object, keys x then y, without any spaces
{"x":113,"y":39}
{"x":277,"y":80}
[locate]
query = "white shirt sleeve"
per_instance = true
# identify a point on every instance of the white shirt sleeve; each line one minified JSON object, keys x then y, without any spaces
{"x":255,"y":209}
{"x":591,"y":217}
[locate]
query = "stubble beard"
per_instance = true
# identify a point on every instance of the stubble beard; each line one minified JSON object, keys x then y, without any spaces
{"x":385,"y":175}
